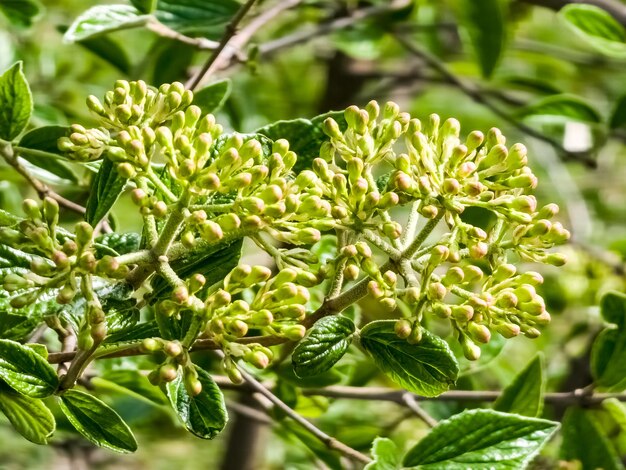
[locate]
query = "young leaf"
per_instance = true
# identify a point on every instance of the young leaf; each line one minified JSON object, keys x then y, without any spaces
{"x":327,"y":341}
{"x":386,"y":455}
{"x":212,"y":97}
{"x":104,"y":19}
{"x":196,"y":17}
{"x":583,"y":440}
{"x":105,"y":189}
{"x":485,"y":24}
{"x":29,"y":416}
{"x":427,"y":368}
{"x":608,"y":355}
{"x":97,"y":421}
{"x":25,"y":371}
{"x":132,"y":383}
{"x":481,"y":440}
{"x":21,"y":12}
{"x":16,"y":102}
{"x":203,"y":415}
{"x":524,"y":395}
{"x":305,"y":136}
{"x":597,"y":28}
{"x":562,"y":107}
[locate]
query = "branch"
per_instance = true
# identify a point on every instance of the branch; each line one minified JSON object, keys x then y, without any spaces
{"x":476,"y":95}
{"x":614,"y":8}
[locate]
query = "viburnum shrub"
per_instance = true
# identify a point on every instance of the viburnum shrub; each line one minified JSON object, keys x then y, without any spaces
{"x":378,"y":213}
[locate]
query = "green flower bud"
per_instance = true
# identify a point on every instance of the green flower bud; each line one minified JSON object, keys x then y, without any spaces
{"x":392,"y":229}
{"x":98,"y":332}
{"x":294,"y":332}
{"x":237,"y":328}
{"x":308,"y":236}
{"x":479,"y":333}
{"x":454,"y":276}
{"x":556,"y":259}
{"x":257,"y":358}
{"x":507,"y":330}
{"x":504,"y":272}
{"x":172,"y":348}
{"x":66,"y":294}
{"x":548,"y":211}
{"x":436,"y":291}
{"x":416,"y":335}
{"x":168,"y":373}
{"x":403,"y":328}
{"x":470,"y":350}
{"x":180,"y":294}
{"x":151,"y":345}
{"x":351,"y":272}
{"x":331,"y":129}
{"x":429,"y":211}
{"x":507,"y":300}
{"x":84,"y":233}
{"x":261,"y":318}
{"x":442,"y":310}
{"x":462,"y":313}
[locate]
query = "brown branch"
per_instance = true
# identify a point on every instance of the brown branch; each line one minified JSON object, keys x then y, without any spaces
{"x":614,"y":8}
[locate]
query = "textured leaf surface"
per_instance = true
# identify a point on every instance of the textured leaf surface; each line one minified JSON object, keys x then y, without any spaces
{"x":196,"y":17}
{"x":25,"y":371}
{"x":97,"y":421}
{"x":427,"y":368}
{"x":106,"y":187}
{"x":524,"y":395}
{"x":481,"y":440}
{"x":327,"y":341}
{"x":104,"y":19}
{"x":386,"y":455}
{"x":203,"y":415}
{"x":16,"y":102}
{"x":29,"y":416}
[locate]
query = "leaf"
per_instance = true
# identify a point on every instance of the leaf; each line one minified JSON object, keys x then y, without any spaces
{"x":608,"y":354}
{"x":563,"y":107}
{"x":324,"y":379}
{"x":327,"y":341}
{"x":481,"y":440}
{"x":104,"y":19}
{"x":485,"y":25}
{"x":120,"y":243}
{"x":108,"y":50}
{"x":203,"y":415}
{"x":196,"y":17}
{"x":16,"y":102}
{"x":172,"y":62}
{"x":105,"y":189}
{"x":597,"y":28}
{"x":44,"y":139}
{"x":25,"y":371}
{"x":386,"y":455}
{"x":583,"y":440}
{"x":21,"y":12}
{"x":29,"y":416}
{"x":97,"y":421}
{"x":212,"y":97}
{"x":618,"y":117}
{"x":144,"y":6}
{"x":363,"y":41}
{"x":305,"y":136}
{"x":427,"y":368}
{"x":610,"y":417}
{"x":524,"y":395}
{"x":130,"y":382}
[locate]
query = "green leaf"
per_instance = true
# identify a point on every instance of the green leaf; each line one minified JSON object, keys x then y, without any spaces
{"x":172,"y":62}
{"x":212,"y":97}
{"x":120,"y":243}
{"x":25,"y":371}
{"x":105,"y":189}
{"x":427,"y":368}
{"x":305,"y":136}
{"x":611,"y":419}
{"x":104,"y":19}
{"x":562,"y":108}
{"x":386,"y":455}
{"x":44,"y":139}
{"x":144,"y":6}
{"x":130,"y":382}
{"x":363,"y":41}
{"x":21,"y":12}
{"x":109,"y":50}
{"x":524,"y":395}
{"x":608,"y":355}
{"x":597,"y":28}
{"x":327,"y":341}
{"x":618,"y":117}
{"x":481,"y":440}
{"x":196,"y":17}
{"x":97,"y":421}
{"x":583,"y":440}
{"x":324,"y":379}
{"x":29,"y":416}
{"x":485,"y":25}
{"x":16,"y":102}
{"x":203,"y":415}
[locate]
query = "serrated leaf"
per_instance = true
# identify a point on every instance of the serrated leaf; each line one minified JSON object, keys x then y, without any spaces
{"x":524,"y":395}
{"x":212,"y":97}
{"x":485,"y":24}
{"x":25,"y":371}
{"x":103,"y":19}
{"x":608,"y":355}
{"x":106,"y":187}
{"x":196,"y":17}
{"x":428,"y":368}
{"x":45,"y":139}
{"x":203,"y":415}
{"x":583,"y":440}
{"x":130,"y":382}
{"x":597,"y":28}
{"x":326,"y":342}
{"x":21,"y":12}
{"x":481,"y":440}
{"x":16,"y":102}
{"x":97,"y":421}
{"x":386,"y":455}
{"x":29,"y":416}
{"x":305,"y":136}
{"x":562,"y":107}
{"x":120,"y":243}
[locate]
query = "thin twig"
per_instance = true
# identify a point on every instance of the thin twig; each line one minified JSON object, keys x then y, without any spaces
{"x":411,"y":402}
